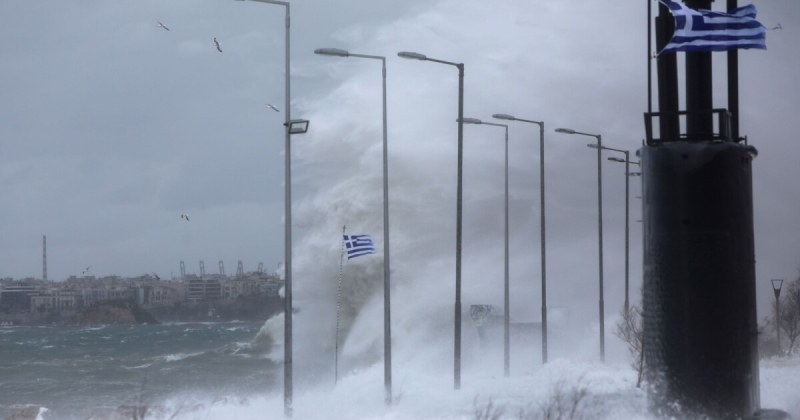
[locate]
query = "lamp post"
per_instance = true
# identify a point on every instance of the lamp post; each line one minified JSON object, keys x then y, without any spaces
{"x":387,"y":327}
{"x":297,"y":126}
{"x":599,"y":230}
{"x":506,"y":303}
{"x":457,"y":327}
{"x":776,"y":287}
{"x":542,"y":219}
{"x":628,"y":174}
{"x":292,"y":127}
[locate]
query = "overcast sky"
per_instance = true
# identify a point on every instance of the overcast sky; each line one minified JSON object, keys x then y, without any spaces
{"x":112,"y":127}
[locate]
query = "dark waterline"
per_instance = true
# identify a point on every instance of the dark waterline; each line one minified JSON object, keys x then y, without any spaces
{"x":75,"y":372}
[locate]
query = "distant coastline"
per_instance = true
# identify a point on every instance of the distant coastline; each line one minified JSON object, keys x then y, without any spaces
{"x":147,"y":299}
{"x":255,"y":308}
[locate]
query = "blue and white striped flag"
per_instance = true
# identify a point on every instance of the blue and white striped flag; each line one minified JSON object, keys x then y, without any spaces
{"x":358,"y":245}
{"x":704,"y":30}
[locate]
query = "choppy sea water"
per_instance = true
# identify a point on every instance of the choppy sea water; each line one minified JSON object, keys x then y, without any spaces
{"x":79,"y":372}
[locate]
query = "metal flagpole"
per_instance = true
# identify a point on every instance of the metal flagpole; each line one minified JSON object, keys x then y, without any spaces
{"x":338,"y":311}
{"x":649,"y":56}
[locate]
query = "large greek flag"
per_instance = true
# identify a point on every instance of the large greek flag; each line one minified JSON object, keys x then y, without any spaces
{"x":704,"y":30}
{"x":358,"y":245}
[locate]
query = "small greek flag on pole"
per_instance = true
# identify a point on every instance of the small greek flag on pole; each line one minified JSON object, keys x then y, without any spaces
{"x":358,"y":245}
{"x":704,"y":30}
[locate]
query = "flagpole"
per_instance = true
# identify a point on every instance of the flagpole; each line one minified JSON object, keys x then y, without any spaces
{"x":338,"y":311}
{"x":649,"y":56}
{"x":733,"y":84}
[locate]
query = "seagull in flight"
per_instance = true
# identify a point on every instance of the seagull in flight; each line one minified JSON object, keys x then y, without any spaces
{"x":86,"y":270}
{"x":185,"y":216}
{"x":216,"y":44}
{"x":161,"y":25}
{"x":777,"y":27}
{"x":272,"y":107}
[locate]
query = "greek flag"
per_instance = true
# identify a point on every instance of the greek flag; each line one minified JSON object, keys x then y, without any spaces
{"x":704,"y":30}
{"x":358,"y":245}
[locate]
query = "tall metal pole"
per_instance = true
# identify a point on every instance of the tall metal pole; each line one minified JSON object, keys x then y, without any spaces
{"x":649,"y":56}
{"x":542,"y":229}
{"x":667,"y":77}
{"x":733,"y":83}
{"x":628,"y":174}
{"x":287,"y":348}
{"x":387,"y":324}
{"x":542,"y":236}
{"x":506,"y":300}
{"x":600,"y":249}
{"x":627,"y":228}
{"x":601,"y":309}
{"x":699,"y":87}
{"x":387,"y":331}
{"x":457,"y":327}
{"x":287,"y":227}
{"x":507,"y":312}
{"x":459,"y":219}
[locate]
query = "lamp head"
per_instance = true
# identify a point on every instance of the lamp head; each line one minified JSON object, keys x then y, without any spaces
{"x":297,"y":126}
{"x":332,"y":51}
{"x":777,"y":284}
{"x":616,"y":159}
{"x":594,"y":146}
{"x":504,"y":117}
{"x":412,"y":55}
{"x":565,"y":130}
{"x":471,"y":121}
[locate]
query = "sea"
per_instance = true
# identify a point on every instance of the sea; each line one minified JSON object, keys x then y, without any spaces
{"x":80,"y":373}
{"x":224,"y":371}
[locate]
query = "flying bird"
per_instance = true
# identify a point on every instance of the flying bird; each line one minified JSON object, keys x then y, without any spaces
{"x":161,"y":25}
{"x":86,"y":270}
{"x":776,"y":27}
{"x":156,"y":276}
{"x":185,"y":216}
{"x":272,"y":107}
{"x":216,"y":44}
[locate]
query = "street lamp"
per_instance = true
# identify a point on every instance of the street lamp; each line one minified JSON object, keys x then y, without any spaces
{"x":776,"y":287}
{"x":541,"y":218}
{"x":387,"y":335}
{"x":506,"y":312}
{"x":599,"y":229}
{"x":628,"y":174}
{"x":297,"y":126}
{"x":292,"y":127}
{"x":457,"y":327}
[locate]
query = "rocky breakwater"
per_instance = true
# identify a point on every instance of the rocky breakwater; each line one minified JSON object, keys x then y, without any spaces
{"x":113,"y":312}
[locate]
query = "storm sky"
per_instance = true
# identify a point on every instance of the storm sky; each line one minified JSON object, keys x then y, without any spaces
{"x":111,"y":127}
